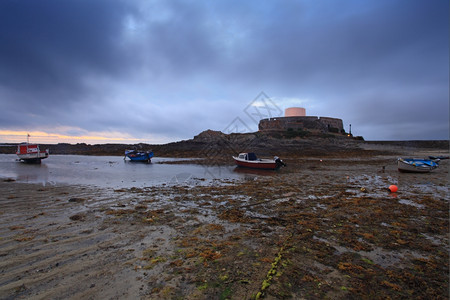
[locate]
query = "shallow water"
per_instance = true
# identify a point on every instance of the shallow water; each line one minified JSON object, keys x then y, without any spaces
{"x":112,"y":171}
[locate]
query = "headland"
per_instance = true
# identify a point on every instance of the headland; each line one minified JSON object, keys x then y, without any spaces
{"x":212,"y":144}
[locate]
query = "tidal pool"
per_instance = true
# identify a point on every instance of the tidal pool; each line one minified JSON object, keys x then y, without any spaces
{"x":113,"y":171}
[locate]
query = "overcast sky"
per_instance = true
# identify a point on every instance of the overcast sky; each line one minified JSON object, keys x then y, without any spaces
{"x":131,"y":71}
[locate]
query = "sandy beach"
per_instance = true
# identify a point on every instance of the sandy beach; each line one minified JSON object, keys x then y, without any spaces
{"x":319,"y":228}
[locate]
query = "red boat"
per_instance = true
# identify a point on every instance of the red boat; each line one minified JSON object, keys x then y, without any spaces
{"x":30,"y":153}
{"x":249,"y":160}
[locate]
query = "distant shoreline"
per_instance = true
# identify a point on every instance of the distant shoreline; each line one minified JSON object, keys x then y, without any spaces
{"x":217,"y":144}
{"x":422,"y":143}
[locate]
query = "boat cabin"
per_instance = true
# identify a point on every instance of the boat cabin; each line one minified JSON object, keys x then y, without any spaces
{"x":27,"y":148}
{"x":248,"y":156}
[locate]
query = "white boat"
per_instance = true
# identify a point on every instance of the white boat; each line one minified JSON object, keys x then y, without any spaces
{"x":30,"y":153}
{"x":249,"y":160}
{"x":416,"y":165}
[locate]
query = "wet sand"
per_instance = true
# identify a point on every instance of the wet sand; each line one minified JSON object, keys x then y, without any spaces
{"x":320,"y":228}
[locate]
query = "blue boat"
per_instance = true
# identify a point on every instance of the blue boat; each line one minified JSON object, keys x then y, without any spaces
{"x":417,"y":165}
{"x":139,"y":156}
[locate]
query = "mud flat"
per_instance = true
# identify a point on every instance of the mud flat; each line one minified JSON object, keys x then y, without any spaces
{"x":320,"y":228}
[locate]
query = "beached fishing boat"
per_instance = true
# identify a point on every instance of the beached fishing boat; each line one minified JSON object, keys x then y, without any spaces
{"x":139,"y":156}
{"x":30,"y":153}
{"x":417,"y":165}
{"x":249,"y":160}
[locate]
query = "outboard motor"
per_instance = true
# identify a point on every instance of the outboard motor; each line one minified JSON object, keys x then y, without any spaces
{"x":279,"y":162}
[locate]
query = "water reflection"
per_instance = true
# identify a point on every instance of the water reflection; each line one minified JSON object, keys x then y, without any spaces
{"x":183,"y":178}
{"x":32,"y":173}
{"x":113,"y":171}
{"x":260,"y":172}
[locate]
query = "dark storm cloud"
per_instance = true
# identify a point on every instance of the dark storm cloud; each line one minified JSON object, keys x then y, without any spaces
{"x":382,"y":64}
{"x":49,"y":47}
{"x":388,"y":40}
{"x":155,"y":66}
{"x":47,"y":43}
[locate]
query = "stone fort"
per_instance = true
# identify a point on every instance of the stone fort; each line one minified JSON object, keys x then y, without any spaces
{"x":295,"y":118}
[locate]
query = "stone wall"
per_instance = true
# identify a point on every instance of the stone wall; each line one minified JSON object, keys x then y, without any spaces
{"x":332,"y":122}
{"x":310,"y":122}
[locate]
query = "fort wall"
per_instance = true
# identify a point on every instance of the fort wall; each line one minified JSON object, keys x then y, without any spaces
{"x":324,"y":124}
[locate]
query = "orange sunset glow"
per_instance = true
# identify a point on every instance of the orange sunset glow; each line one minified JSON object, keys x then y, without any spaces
{"x":10,"y":136}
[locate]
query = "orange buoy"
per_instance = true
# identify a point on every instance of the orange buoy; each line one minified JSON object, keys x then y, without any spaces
{"x":393,"y":188}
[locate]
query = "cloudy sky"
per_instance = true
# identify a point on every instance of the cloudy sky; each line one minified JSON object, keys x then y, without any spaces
{"x":101,"y":71}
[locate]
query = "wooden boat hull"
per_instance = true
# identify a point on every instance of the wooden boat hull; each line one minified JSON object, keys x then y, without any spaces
{"x":140,"y":158}
{"x":33,"y":157}
{"x":411,"y":165}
